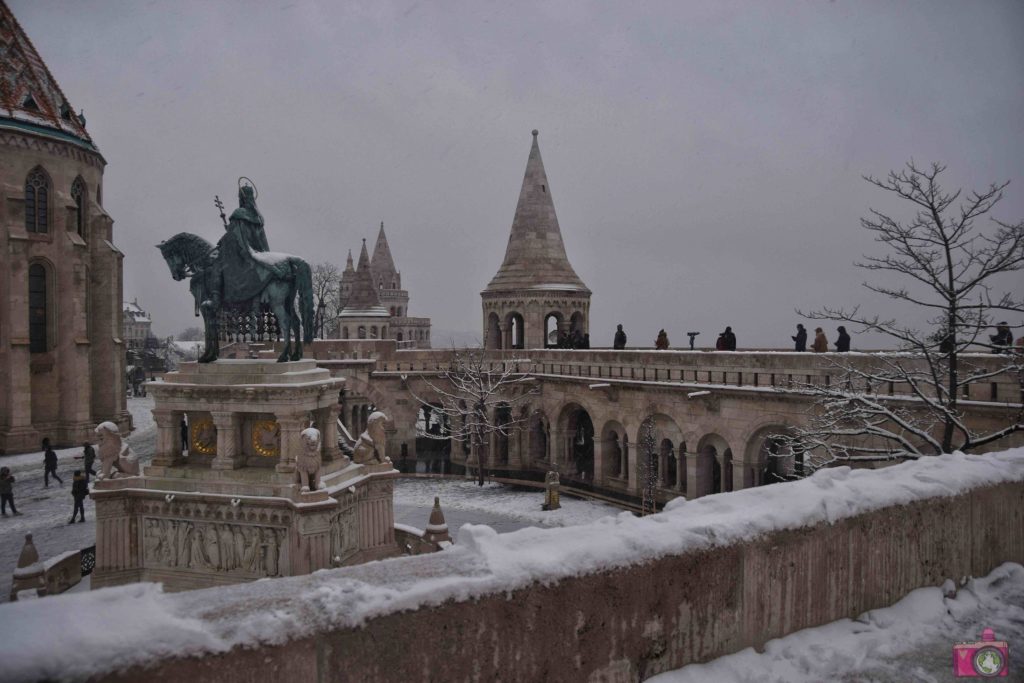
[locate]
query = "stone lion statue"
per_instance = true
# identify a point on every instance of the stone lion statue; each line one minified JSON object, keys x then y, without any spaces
{"x":309,"y":459}
{"x":371,"y":447}
{"x":115,"y":459}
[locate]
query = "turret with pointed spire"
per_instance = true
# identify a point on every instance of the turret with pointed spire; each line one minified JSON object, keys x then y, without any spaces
{"x":535,"y":295}
{"x":383,"y":266}
{"x":347,"y":279}
{"x":363,"y":313}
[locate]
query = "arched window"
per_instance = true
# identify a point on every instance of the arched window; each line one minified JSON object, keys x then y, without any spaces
{"x":37,"y":201}
{"x":37,"y":309}
{"x":362,"y":331}
{"x":79,"y":194}
{"x":399,"y":337}
{"x":373,"y":332}
{"x":344,"y":333}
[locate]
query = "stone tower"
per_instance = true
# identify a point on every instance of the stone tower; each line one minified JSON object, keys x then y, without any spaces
{"x":347,"y":278}
{"x":536,"y":295}
{"x":387,"y":278}
{"x":363,"y":316}
{"x":62,"y":359}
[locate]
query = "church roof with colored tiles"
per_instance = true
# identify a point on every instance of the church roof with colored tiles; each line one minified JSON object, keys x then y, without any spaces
{"x":30,"y":98}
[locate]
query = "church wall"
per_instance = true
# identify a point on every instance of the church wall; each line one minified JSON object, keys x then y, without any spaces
{"x":53,"y":393}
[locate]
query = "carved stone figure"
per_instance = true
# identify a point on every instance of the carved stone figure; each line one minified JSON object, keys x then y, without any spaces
{"x":115,"y":460}
{"x":212,"y":546}
{"x":372,"y":444}
{"x":307,"y":464}
{"x":242,"y":274}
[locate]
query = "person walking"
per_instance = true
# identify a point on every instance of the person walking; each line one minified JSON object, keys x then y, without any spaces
{"x":49,"y":464}
{"x":88,"y":458}
{"x":800,"y":338}
{"x":79,"y":490}
{"x":820,"y":344}
{"x":843,"y":340}
{"x":7,"y":491}
{"x":620,"y":339}
{"x":661,"y":343}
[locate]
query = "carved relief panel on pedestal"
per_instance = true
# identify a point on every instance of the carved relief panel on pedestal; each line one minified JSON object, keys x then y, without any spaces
{"x":219,"y":547}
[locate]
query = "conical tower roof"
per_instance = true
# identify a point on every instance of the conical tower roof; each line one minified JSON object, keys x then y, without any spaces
{"x":348,"y":263}
{"x":535,"y":257}
{"x":363,"y":301}
{"x":30,"y":99}
{"x":382,"y":263}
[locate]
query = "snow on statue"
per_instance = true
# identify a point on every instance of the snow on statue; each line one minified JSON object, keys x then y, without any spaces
{"x":115,"y":459}
{"x":372,"y":444}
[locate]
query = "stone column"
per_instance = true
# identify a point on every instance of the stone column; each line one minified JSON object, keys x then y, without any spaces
{"x":291,"y":426}
{"x":329,"y":432}
{"x":692,"y":479}
{"x":168,"y":437}
{"x":229,"y":452}
{"x":680,"y":464}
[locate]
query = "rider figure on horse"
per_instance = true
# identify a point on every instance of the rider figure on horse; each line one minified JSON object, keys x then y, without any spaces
{"x":232,"y":260}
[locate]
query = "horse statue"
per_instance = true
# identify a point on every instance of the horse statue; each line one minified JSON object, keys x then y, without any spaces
{"x":241,"y":274}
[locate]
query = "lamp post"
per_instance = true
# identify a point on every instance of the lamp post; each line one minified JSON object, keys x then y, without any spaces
{"x":320,"y":311}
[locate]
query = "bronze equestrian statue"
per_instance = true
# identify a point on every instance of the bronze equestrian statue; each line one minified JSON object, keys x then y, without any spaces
{"x":240,"y":273}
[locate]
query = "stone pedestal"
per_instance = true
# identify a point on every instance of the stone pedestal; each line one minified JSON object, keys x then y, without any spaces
{"x":233,"y":510}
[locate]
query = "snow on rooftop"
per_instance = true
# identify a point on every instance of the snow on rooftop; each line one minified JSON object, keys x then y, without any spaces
{"x":58,"y":637}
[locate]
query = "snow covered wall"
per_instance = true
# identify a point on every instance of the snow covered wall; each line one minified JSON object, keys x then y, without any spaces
{"x":620,"y":599}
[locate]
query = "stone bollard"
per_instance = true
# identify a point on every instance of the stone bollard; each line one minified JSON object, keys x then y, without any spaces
{"x":552,"y":484}
{"x":30,"y":573}
{"x":437,"y":528}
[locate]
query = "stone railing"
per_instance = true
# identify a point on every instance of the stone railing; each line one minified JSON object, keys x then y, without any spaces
{"x":619,"y":600}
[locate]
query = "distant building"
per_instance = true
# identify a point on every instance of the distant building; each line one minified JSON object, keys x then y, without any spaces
{"x":373,"y":303}
{"x":61,"y":352}
{"x":137,"y":325}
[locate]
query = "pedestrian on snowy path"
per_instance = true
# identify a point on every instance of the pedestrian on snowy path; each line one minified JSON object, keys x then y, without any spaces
{"x":7,"y":491}
{"x":89,"y":457}
{"x":49,"y":464}
{"x":79,"y":490}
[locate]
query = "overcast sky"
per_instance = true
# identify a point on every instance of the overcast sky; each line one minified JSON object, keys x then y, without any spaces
{"x":704,"y":158}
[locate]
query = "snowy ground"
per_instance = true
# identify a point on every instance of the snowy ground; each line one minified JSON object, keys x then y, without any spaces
{"x":911,"y":641}
{"x":504,"y":508}
{"x":45,"y":511}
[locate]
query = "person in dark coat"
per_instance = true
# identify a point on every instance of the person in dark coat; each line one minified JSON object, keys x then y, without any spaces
{"x":88,"y":458}
{"x":620,"y":339}
{"x":661,"y":343}
{"x":49,"y":464}
{"x":1002,"y":339}
{"x":184,"y":434}
{"x":728,"y":340}
{"x":843,"y":340}
{"x":800,"y":338}
{"x":7,"y":491}
{"x":79,"y":490}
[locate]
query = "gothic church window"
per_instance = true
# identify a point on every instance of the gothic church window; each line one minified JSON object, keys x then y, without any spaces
{"x":79,"y":194}
{"x":37,"y":309}
{"x":37,"y":201}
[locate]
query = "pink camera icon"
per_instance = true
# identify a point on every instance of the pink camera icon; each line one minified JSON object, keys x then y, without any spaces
{"x":986,"y":658}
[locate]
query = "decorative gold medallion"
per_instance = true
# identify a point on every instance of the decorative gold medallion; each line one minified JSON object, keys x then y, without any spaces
{"x":204,"y":437}
{"x":266,"y":438}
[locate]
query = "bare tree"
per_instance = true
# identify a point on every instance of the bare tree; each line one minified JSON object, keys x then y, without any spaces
{"x":326,"y":293}
{"x":950,"y":269}
{"x":648,"y":442}
{"x":477,"y":396}
{"x":191,"y":334}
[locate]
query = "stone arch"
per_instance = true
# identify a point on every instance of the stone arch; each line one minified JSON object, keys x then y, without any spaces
{"x":575,"y":445}
{"x":665,"y":454}
{"x":767,"y":460}
{"x":578,"y":322}
{"x":344,"y":332}
{"x":515,"y":331}
{"x":553,"y":327}
{"x":714,"y":466}
{"x":502,"y":419}
{"x":42,"y":305}
{"x":614,"y":447}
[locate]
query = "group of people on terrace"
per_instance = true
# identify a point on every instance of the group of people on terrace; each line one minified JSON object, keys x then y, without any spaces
{"x":1001,"y":341}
